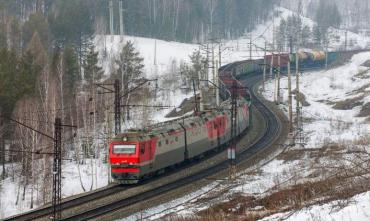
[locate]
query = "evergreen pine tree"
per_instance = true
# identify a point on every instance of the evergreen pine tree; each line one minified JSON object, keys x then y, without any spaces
{"x":317,"y":35}
{"x":199,"y":64}
{"x":130,"y":64}
{"x":306,"y":35}
{"x":18,"y":78}
{"x":37,"y":23}
{"x":92,"y":71}
{"x":130,"y":68}
{"x":282,"y":35}
{"x":72,"y":75}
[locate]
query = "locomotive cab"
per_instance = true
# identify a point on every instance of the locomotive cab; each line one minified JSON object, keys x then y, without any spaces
{"x":124,"y":160}
{"x":131,"y":156}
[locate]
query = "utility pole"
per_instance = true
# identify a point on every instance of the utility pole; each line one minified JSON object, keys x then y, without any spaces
{"x":207,"y":51}
{"x":231,"y":152}
{"x":220,"y":54}
{"x":278,"y":79}
{"x":264,"y":67}
{"x":326,"y":56}
{"x":214,"y":68}
{"x":111,"y":17}
{"x":57,"y":163}
{"x":250,"y":47}
{"x":272,"y":64}
{"x":273,"y":74}
{"x":155,"y":52}
{"x":57,"y":170}
{"x":290,"y":98}
{"x":217,"y":82}
{"x":290,"y":101}
{"x":213,"y":62}
{"x":273,"y":28}
{"x":346,"y":40}
{"x":109,"y":136}
{"x":297,"y":90}
{"x":2,"y":146}
{"x":117,"y":107}
{"x":195,"y":97}
{"x":121,"y":26}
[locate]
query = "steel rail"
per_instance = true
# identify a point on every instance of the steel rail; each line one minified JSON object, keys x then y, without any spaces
{"x":272,"y":132}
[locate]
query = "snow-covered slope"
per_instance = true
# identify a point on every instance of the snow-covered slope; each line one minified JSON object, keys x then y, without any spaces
{"x":165,"y":52}
{"x":326,"y":89}
{"x":357,"y":209}
{"x":169,"y":53}
{"x":323,"y":126}
{"x":91,"y":175}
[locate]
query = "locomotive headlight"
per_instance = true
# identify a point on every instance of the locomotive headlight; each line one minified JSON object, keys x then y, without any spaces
{"x":124,"y":138}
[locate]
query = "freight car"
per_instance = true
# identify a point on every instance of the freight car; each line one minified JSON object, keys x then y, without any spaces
{"x":140,"y":154}
{"x":307,"y":60}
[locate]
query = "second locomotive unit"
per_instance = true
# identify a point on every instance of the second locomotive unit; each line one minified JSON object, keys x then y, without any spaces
{"x":139,"y":154}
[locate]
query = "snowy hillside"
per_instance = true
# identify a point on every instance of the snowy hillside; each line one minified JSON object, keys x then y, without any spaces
{"x":165,"y":52}
{"x":319,"y":88}
{"x":172,"y":53}
{"x":336,"y":141}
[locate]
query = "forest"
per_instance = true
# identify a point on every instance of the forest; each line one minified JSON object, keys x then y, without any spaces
{"x":49,"y":66}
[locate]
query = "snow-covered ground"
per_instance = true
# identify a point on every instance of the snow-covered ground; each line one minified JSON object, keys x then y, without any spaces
{"x":77,"y":179}
{"x":168,"y":53}
{"x":173,"y":53}
{"x":323,"y":89}
{"x":162,"y":58}
{"x":323,"y":125}
{"x":357,"y":209}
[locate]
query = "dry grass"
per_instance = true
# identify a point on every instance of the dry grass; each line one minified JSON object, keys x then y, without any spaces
{"x":367,"y":120}
{"x":366,"y":64}
{"x":365,"y":111}
{"x":362,"y":141}
{"x":349,"y":104}
{"x":336,"y":182}
{"x":302,"y":98}
{"x":249,"y":208}
{"x":186,"y":106}
{"x":292,"y":155}
{"x":365,"y":73}
{"x":328,"y":150}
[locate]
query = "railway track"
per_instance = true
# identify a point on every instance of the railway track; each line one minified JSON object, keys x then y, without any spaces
{"x":273,"y":128}
{"x":272,"y":132}
{"x":46,"y":211}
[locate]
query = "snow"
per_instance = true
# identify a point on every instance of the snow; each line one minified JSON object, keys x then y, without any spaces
{"x":169,"y":52}
{"x":94,"y":175}
{"x":358,"y":208}
{"x":324,"y":126}
{"x":166,"y":53}
{"x":317,"y":86}
{"x":175,"y":206}
{"x":330,"y":125}
{"x":91,"y":179}
{"x":333,"y":85}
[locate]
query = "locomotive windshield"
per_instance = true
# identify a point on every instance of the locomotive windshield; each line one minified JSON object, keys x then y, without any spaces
{"x":124,"y":149}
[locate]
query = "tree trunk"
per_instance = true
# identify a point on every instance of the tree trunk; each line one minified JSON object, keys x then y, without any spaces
{"x":80,"y":178}
{"x":2,"y":147}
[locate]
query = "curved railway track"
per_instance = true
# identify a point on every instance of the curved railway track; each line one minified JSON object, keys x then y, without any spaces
{"x":272,"y":132}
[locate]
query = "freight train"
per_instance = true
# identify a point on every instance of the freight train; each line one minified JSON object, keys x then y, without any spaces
{"x":307,"y":60}
{"x":140,"y":154}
